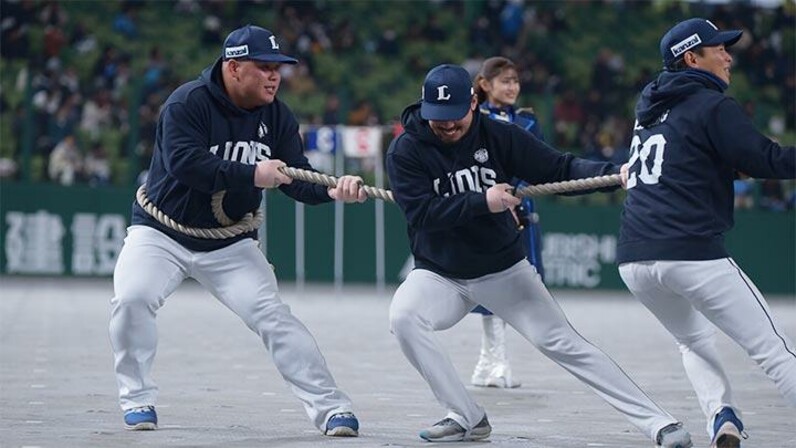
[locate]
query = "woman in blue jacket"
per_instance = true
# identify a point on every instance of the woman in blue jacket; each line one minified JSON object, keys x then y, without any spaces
{"x":498,"y":87}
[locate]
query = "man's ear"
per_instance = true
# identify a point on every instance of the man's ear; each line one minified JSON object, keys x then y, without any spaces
{"x":690,"y":59}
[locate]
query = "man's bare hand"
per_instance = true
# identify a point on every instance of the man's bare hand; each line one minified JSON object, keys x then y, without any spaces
{"x":267,"y":174}
{"x":623,"y":172}
{"x":500,"y":199}
{"x":348,"y":189}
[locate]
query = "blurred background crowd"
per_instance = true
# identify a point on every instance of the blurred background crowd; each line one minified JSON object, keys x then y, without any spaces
{"x":81,"y":82}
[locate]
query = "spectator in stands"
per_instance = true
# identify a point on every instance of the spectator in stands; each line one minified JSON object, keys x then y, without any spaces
{"x":743,"y":188}
{"x":97,"y":113}
{"x":511,"y":21}
{"x":105,"y":67}
{"x":331,"y":109}
{"x":98,"y":166}
{"x":54,"y":41}
{"x":389,"y":45}
{"x":66,"y":162}
{"x":155,"y":70}
{"x":569,"y":115}
{"x":211,"y":30}
{"x":772,"y":195}
{"x":53,"y":15}
{"x":81,"y":39}
{"x":124,"y":23}
{"x":363,"y":115}
{"x":64,"y":121}
{"x":8,"y":168}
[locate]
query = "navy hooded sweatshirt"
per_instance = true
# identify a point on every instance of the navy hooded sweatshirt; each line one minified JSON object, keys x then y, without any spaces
{"x":204,"y":144}
{"x":441,"y":188}
{"x":688,"y":143}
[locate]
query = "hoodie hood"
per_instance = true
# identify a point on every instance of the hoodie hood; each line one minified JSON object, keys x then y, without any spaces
{"x":418,"y":128}
{"x":670,"y":88}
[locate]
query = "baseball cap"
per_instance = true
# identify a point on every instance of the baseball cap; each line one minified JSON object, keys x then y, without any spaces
{"x":693,"y":33}
{"x":447,"y":92}
{"x":256,"y":43}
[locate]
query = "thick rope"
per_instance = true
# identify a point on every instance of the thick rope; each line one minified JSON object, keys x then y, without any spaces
{"x":251,"y":222}
{"x":567,"y":186}
{"x":231,"y":229}
{"x":531,"y":190}
{"x":330,"y":181}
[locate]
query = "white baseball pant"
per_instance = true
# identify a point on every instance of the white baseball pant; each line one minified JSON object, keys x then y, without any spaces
{"x":687,"y":296}
{"x":427,"y":302}
{"x":151,"y":266}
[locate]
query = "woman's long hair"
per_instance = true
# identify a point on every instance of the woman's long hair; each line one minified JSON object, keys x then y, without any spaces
{"x":490,"y":69}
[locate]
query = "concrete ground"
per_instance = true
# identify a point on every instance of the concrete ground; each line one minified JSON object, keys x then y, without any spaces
{"x":218,"y":387}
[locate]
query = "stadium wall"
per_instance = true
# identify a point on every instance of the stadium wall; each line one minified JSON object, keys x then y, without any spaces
{"x":78,"y":231}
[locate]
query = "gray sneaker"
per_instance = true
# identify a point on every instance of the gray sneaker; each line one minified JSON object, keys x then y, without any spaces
{"x":447,"y":430}
{"x":674,"y":436}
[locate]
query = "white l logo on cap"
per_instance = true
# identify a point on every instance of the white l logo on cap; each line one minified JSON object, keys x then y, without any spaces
{"x":442,"y":93}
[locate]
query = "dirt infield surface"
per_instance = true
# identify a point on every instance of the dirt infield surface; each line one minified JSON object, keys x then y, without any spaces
{"x":218,"y":387}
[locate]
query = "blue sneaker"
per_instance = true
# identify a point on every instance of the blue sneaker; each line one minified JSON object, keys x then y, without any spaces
{"x":727,"y":430}
{"x":344,"y":424}
{"x":141,"y":419}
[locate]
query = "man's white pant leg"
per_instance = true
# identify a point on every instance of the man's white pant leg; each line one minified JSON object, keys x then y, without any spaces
{"x":423,"y":304}
{"x":521,"y":299}
{"x":694,"y":334}
{"x":147,"y":271}
{"x":240,"y":277}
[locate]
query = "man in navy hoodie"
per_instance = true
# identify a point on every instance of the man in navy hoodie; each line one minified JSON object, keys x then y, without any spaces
{"x":450,"y":171}
{"x":221,"y":139}
{"x":689,"y":142}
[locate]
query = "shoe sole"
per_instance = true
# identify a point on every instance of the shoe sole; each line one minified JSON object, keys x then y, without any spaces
{"x":456,"y":437}
{"x":727,"y":437}
{"x":496,"y":385}
{"x":728,"y":441}
{"x":453,"y":438}
{"x":477,"y":436}
{"x":689,"y":445}
{"x":342,"y":431}
{"x":492,"y":381}
{"x":143,"y":426}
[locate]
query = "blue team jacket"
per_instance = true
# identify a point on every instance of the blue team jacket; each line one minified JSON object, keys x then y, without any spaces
{"x":688,"y":143}
{"x":204,"y":144}
{"x":441,"y":190}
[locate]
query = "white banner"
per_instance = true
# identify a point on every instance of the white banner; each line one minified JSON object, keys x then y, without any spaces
{"x":362,"y":141}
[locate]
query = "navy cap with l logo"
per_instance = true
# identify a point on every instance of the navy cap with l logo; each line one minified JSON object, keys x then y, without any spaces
{"x":447,"y":92}
{"x":693,"y":33}
{"x":256,"y":43}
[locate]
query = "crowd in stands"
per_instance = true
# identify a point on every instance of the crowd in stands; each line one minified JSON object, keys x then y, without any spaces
{"x":82,"y":81}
